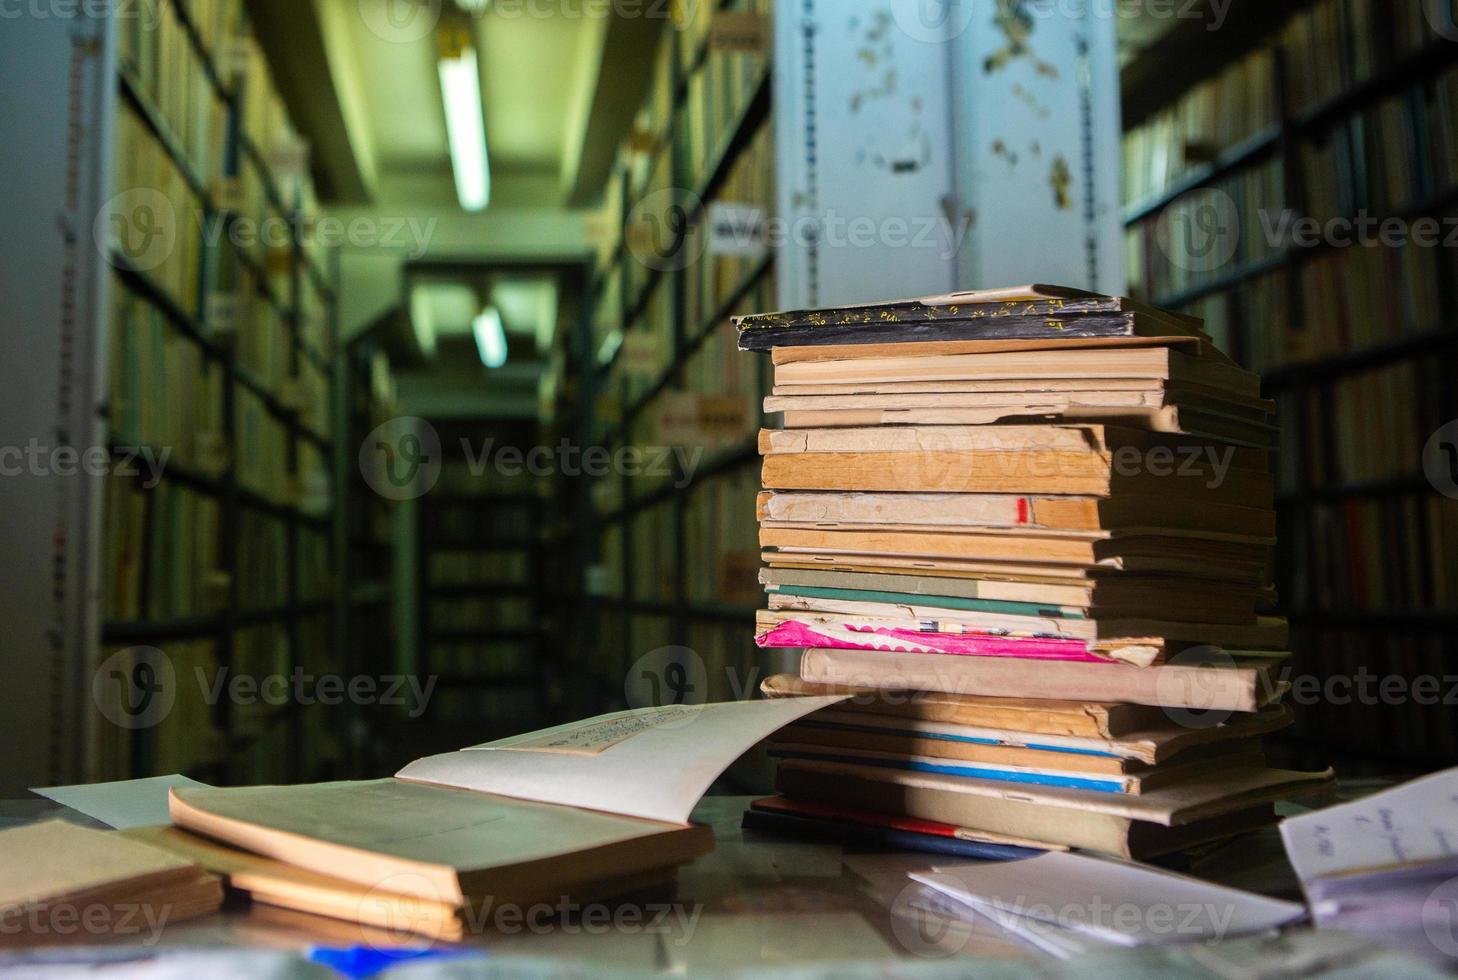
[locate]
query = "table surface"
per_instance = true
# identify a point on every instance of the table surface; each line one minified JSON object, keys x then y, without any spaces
{"x":756,"y":899}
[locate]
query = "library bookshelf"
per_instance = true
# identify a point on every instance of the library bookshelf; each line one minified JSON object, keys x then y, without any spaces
{"x":487,"y":622}
{"x":218,"y":349}
{"x":673,"y":548}
{"x":1337,"y":111}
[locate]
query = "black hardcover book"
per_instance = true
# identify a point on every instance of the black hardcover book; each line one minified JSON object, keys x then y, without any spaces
{"x":1026,"y":313}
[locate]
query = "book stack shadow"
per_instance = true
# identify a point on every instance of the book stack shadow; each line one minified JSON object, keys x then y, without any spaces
{"x":1030,"y":530}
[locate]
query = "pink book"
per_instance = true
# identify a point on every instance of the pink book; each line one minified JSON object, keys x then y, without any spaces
{"x":851,"y":636}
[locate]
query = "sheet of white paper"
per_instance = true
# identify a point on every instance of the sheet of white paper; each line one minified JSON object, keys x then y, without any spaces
{"x":1414,"y":822}
{"x":654,"y":763}
{"x":122,"y":804}
{"x":1114,"y":901}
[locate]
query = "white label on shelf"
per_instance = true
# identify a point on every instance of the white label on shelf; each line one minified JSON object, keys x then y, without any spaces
{"x":289,"y":157}
{"x":736,"y":229}
{"x":222,"y":312}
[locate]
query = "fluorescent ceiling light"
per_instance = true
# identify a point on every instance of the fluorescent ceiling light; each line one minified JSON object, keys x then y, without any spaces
{"x":460,"y":89}
{"x":490,"y":337}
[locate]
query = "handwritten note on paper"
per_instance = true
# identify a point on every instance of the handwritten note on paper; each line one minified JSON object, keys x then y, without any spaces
{"x":596,"y":735}
{"x":1412,"y":823}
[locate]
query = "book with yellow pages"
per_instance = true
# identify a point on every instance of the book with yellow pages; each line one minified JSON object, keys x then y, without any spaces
{"x":57,"y":878}
{"x":582,"y":809}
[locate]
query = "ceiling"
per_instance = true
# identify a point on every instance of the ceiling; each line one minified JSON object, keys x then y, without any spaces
{"x":533,"y":85}
{"x":560,"y":82}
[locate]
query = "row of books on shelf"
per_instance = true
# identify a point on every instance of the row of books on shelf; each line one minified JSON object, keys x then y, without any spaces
{"x":164,"y":392}
{"x":1325,"y":53}
{"x":315,"y":408}
{"x":263,"y":449}
{"x":1380,"y":419}
{"x":1393,"y":553}
{"x":316,"y":565}
{"x":484,"y":522}
{"x":484,"y":659}
{"x":1414,"y":720}
{"x":1350,"y":301}
{"x":1334,"y":45}
{"x":746,"y":197}
{"x":1356,"y":299}
{"x":183,"y":737}
{"x":1363,"y":427}
{"x":263,"y":561}
{"x":314,"y":316}
{"x":156,"y":224}
{"x":471,"y":568}
{"x":605,"y":576}
{"x":160,"y":557}
{"x":159,"y":58}
{"x":654,"y":574}
{"x":486,"y":613}
{"x":481,"y":476}
{"x":718,"y":93}
{"x":647,"y":348}
{"x":1384,"y":159}
{"x":1219,"y":113}
{"x":260,"y":334}
{"x":721,"y":533}
{"x":715,"y":367}
{"x":1204,"y":236}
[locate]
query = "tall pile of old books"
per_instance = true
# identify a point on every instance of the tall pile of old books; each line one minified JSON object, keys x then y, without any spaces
{"x":1030,"y":530}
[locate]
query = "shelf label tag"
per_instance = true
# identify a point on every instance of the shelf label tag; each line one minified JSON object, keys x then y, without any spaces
{"x":642,"y":354}
{"x":288,"y":157}
{"x":736,"y":229}
{"x":693,"y":419}
{"x":739,"y":32}
{"x":223,"y":312}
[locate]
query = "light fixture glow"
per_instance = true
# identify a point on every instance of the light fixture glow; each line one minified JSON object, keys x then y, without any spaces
{"x":460,"y":89}
{"x":490,"y":337}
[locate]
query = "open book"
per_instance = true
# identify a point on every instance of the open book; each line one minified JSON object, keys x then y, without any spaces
{"x":560,"y":811}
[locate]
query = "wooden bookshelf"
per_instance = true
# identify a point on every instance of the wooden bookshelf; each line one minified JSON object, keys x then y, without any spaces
{"x":170,"y":71}
{"x":1361,"y":394}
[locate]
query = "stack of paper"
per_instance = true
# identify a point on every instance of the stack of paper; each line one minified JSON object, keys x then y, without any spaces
{"x":1070,"y":904}
{"x":1385,"y":865}
{"x":1031,"y":493}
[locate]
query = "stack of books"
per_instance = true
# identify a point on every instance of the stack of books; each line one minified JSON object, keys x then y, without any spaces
{"x":1054,"y":509}
{"x":60,"y":883}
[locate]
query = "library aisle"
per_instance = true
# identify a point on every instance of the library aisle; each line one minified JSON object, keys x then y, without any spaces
{"x":948,"y":439}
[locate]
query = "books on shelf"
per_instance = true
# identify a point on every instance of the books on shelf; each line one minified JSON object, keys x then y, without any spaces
{"x":1235,"y":105}
{"x":1334,"y":45}
{"x":165,"y":391}
{"x":157,"y":226}
{"x":1037,"y":551}
{"x":185,"y":737}
{"x":160,"y":558}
